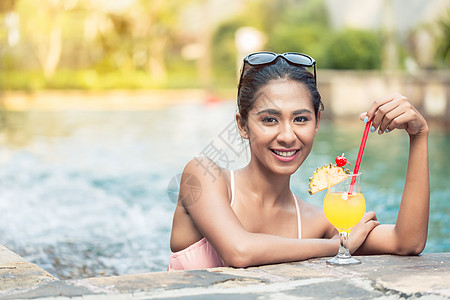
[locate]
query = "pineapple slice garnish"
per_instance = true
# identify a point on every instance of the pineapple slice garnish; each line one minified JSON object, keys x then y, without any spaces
{"x":319,"y":180}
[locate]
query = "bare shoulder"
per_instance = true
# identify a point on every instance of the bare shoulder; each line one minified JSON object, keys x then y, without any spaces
{"x":203,"y":184}
{"x":206,"y":170}
{"x":314,"y":222}
{"x":200,"y":175}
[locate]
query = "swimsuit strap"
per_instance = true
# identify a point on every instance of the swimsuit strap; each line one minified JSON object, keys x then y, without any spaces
{"x":232,"y":187}
{"x":299,"y":220}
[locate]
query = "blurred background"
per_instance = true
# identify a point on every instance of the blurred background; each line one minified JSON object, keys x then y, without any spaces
{"x":132,"y":44}
{"x":103,"y":102}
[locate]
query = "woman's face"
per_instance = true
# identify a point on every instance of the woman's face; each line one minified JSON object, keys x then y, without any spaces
{"x":281,"y":126}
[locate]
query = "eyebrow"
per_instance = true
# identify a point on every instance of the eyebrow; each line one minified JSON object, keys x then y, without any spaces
{"x":271,"y":111}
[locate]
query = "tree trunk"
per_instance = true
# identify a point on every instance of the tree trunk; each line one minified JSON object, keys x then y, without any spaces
{"x":54,"y":51}
{"x":156,"y":65}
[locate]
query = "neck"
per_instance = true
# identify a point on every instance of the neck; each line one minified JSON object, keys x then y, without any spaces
{"x":265,"y":185}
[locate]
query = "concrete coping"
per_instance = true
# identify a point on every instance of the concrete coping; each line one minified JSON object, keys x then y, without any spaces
{"x":378,"y":277}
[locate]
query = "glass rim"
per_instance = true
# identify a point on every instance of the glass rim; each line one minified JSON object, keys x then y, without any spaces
{"x":348,"y":175}
{"x":353,"y":174}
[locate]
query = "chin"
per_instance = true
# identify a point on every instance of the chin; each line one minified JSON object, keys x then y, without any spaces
{"x":286,"y":170}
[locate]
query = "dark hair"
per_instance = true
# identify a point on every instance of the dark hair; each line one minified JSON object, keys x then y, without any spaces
{"x":258,"y":76}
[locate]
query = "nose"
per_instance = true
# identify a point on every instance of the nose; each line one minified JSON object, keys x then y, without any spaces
{"x":286,"y":136}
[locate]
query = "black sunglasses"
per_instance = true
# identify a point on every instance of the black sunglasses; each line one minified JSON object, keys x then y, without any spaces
{"x":266,"y":58}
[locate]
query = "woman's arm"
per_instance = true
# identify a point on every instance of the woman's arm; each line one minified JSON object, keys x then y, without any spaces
{"x":408,"y":236}
{"x":213,"y":217}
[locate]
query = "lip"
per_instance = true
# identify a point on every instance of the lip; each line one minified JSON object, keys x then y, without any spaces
{"x":283,"y":158}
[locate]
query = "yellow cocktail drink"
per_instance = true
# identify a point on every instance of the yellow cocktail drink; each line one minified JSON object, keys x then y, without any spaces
{"x":344,"y":204}
{"x":344,"y":210}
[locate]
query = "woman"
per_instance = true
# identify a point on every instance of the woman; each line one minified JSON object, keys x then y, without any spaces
{"x":250,"y":216}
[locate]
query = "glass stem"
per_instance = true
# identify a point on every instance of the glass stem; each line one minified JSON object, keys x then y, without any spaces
{"x":343,"y":251}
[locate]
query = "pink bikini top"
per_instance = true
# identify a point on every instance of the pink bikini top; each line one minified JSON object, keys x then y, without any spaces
{"x":202,"y":255}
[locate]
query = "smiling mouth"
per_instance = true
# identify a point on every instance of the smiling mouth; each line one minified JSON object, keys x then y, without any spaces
{"x":285,"y":153}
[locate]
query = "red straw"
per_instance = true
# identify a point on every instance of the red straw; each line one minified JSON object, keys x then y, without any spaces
{"x":360,"y":154}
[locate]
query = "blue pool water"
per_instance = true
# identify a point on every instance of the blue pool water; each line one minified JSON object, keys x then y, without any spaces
{"x":87,"y":193}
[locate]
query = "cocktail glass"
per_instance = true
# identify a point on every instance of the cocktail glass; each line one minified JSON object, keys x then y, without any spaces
{"x":344,"y":206}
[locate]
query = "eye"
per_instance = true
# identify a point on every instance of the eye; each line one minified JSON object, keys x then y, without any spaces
{"x":269,"y":120}
{"x":301,"y":119}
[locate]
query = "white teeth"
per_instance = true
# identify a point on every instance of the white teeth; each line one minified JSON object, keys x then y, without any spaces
{"x":284,"y":153}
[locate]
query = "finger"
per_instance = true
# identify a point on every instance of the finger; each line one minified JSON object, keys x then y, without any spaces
{"x":395,"y":119}
{"x":371,"y":215}
{"x":385,"y":110}
{"x":368,"y":216}
{"x":362,"y":117}
{"x":371,"y":225}
{"x":400,"y":116}
{"x":400,"y":121}
{"x":404,"y":109}
{"x":368,"y":226}
{"x":379,"y":102}
{"x":379,"y":108}
{"x":381,"y":112}
{"x":374,"y":216}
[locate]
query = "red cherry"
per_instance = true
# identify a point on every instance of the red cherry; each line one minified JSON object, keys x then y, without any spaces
{"x":341,"y":160}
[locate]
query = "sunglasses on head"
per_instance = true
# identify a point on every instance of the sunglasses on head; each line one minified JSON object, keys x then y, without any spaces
{"x":266,"y":58}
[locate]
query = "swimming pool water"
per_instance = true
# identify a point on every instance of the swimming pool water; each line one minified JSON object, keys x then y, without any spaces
{"x":90,"y":193}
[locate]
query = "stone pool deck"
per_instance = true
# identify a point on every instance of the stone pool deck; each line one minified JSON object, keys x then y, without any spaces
{"x":378,"y":277}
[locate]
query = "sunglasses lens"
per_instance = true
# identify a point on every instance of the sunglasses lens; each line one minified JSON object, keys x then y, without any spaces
{"x":261,"y":58}
{"x":299,"y":59}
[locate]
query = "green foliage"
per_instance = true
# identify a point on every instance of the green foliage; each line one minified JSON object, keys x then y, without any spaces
{"x":304,"y":28}
{"x":89,"y":79}
{"x":308,"y":39}
{"x":224,"y":50}
{"x":140,"y":47}
{"x":355,"y":49}
{"x":181,"y":73}
{"x":443,"y":41}
{"x":20,"y":80}
{"x":289,"y":26}
{"x":301,"y":26}
{"x":301,"y":13}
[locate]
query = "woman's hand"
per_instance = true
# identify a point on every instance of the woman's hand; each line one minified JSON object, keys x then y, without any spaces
{"x":408,"y":236}
{"x":361,"y":230}
{"x":395,"y":112}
